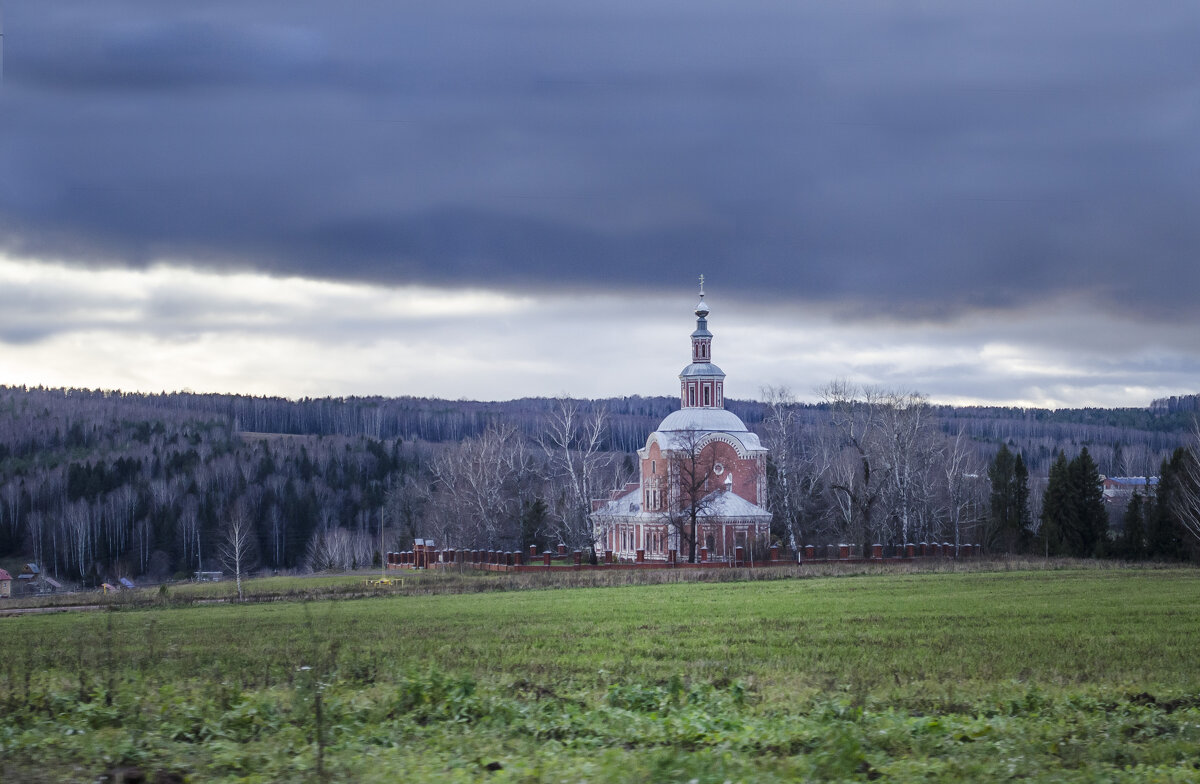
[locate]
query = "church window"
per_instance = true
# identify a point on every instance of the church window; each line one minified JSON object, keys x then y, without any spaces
{"x":707,"y":395}
{"x":691,"y":394}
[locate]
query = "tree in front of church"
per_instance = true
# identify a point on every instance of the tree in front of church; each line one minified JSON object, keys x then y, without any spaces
{"x":691,"y":480}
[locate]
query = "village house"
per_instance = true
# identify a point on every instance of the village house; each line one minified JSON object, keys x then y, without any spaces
{"x":32,"y":581}
{"x":5,"y":584}
{"x":1121,"y":488}
{"x":702,"y":477}
{"x":28,"y":578}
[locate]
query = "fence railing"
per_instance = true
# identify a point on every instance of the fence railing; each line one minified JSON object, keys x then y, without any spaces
{"x":426,"y":556}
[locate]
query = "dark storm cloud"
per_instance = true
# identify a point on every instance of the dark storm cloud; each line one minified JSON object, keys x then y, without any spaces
{"x":905,"y":160}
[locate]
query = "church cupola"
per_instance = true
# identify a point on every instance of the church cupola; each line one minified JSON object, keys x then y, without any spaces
{"x":702,"y":384}
{"x":702,"y":338}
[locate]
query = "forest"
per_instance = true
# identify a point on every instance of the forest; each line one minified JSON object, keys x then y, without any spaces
{"x":98,"y":484}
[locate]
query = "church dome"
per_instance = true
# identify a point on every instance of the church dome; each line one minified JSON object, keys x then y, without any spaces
{"x":701,"y":369}
{"x":708,"y":422}
{"x":703,"y":419}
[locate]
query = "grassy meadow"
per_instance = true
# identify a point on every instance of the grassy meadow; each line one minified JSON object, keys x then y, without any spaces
{"x":1072,"y":675}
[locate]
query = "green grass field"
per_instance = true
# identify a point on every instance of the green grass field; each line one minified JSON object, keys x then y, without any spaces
{"x":1053,"y":675}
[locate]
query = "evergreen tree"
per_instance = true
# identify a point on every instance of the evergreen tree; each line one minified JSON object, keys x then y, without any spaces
{"x":1133,"y":539}
{"x":1091,"y":518}
{"x":1009,"y":501}
{"x":1021,"y":496}
{"x":1163,"y":539}
{"x":1056,"y":509}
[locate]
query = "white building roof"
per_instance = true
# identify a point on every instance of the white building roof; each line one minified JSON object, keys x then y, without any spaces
{"x":706,"y":369}
{"x":708,"y":424}
{"x":729,"y":505}
{"x":724,"y":504}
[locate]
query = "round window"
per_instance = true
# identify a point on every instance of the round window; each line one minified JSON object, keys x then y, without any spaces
{"x":718,"y":469}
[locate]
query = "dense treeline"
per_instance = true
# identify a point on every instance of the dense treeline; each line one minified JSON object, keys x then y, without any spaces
{"x":95,"y":484}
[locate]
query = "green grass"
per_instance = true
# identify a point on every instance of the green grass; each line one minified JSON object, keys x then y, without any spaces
{"x":1060,"y":675}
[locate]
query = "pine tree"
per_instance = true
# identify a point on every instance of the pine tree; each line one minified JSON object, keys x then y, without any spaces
{"x":1091,"y":518}
{"x":1021,"y":497}
{"x":1056,"y":509}
{"x":1133,"y":539}
{"x":1163,"y":538}
{"x":1009,"y":501}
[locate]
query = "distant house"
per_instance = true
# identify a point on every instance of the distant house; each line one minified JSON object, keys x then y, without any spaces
{"x":208,"y":577}
{"x":5,"y":584}
{"x":32,"y":581}
{"x":30,"y":578}
{"x":1121,"y":488}
{"x":126,"y":583}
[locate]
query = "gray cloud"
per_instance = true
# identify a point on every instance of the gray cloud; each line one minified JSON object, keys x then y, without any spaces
{"x":909,"y":162}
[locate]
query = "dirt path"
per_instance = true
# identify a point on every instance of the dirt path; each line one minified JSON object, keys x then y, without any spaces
{"x":14,"y":611}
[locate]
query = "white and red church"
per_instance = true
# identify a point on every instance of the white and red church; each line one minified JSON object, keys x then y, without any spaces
{"x":702,"y":473}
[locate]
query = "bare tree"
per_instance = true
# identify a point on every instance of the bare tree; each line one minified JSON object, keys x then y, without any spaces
{"x":691,"y":471}
{"x":404,"y":503}
{"x":962,"y":474}
{"x":1185,"y":502}
{"x":785,"y":491}
{"x":850,"y":450}
{"x":572,"y":442}
{"x":238,"y":544}
{"x":906,"y":451}
{"x":11,"y":495}
{"x":477,"y":488}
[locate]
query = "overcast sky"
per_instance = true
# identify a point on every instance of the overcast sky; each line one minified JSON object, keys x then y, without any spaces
{"x":992,"y":202}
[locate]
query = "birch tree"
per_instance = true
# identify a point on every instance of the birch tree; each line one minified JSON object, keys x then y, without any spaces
{"x":856,"y":480}
{"x":572,"y":442}
{"x":238,"y":544}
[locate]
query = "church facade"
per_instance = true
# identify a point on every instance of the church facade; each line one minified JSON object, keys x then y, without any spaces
{"x":702,"y":477}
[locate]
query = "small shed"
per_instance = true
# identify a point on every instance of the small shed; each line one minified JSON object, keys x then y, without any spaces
{"x":109,"y":588}
{"x":126,"y":583}
{"x":51,"y":585}
{"x":29,"y":578}
{"x":5,"y":584}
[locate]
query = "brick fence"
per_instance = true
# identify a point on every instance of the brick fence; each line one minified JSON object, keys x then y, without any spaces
{"x":426,"y":556}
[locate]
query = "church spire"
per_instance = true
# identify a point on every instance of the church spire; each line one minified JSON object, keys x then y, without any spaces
{"x":702,"y":338}
{"x":702,"y":384}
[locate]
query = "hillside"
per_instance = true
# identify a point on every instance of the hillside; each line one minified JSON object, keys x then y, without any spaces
{"x":95,"y":484}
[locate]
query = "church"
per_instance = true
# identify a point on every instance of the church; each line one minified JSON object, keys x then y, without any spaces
{"x":703,"y":477}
